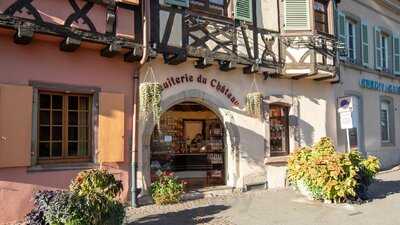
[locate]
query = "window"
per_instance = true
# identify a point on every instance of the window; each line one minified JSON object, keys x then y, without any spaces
{"x":385,"y":121}
{"x":279,"y":130}
{"x":321,"y":16}
{"x":365,"y":44}
{"x":351,"y":41}
{"x":216,"y":7}
{"x":381,"y":50}
{"x":64,"y":127}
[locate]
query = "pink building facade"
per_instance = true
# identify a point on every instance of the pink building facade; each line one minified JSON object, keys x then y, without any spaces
{"x":64,"y":83}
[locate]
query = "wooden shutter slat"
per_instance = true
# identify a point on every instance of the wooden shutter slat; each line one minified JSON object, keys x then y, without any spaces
{"x":111,"y":127}
{"x":15,"y":125}
{"x":297,"y":14}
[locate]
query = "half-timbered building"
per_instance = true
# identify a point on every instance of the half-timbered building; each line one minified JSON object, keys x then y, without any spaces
{"x":210,"y":54}
{"x":66,"y":99}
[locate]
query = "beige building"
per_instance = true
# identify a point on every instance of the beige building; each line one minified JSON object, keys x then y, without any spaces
{"x":210,"y":56}
{"x":369,"y":71}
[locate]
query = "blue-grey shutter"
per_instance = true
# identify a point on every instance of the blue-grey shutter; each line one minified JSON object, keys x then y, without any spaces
{"x":183,"y":3}
{"x":244,"y":10}
{"x":378,"y":48}
{"x":342,"y":35}
{"x":297,"y":14}
{"x":396,"y":55}
{"x":365,"y":44}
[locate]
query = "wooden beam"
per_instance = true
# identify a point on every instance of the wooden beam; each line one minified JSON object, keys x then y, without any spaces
{"x":133,"y":55}
{"x":174,"y":59}
{"x":227,"y":65}
{"x":70,"y":44}
{"x":12,"y":22}
{"x":110,"y":51}
{"x":250,"y":69}
{"x":203,"y":63}
{"x":24,"y":34}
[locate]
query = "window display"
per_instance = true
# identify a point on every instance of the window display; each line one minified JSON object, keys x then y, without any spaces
{"x":189,"y":142}
{"x":279,"y":130}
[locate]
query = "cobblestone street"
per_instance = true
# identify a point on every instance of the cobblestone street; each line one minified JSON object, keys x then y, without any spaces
{"x":282,"y":207}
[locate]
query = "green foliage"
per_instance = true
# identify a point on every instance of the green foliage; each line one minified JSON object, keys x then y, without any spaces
{"x":150,"y":100}
{"x":167,"y":189}
{"x":330,"y":175}
{"x":253,"y":104}
{"x":96,"y":181}
{"x":90,"y":201}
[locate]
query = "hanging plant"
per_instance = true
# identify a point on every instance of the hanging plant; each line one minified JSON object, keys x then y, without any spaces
{"x":253,"y":104}
{"x":150,"y":100}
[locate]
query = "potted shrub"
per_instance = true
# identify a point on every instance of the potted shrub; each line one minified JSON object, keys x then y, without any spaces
{"x":90,"y":200}
{"x":321,"y":173}
{"x":167,"y":189}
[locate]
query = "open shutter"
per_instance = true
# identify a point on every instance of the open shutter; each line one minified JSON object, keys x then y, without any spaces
{"x":396,"y":55}
{"x":183,"y":3}
{"x":244,"y":10}
{"x":342,"y":33}
{"x":378,"y":48}
{"x":364,"y":44}
{"x":297,"y":14}
{"x":111,"y":127}
{"x":15,"y":125}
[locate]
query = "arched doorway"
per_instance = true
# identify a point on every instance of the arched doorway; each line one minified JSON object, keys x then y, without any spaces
{"x":189,"y":141}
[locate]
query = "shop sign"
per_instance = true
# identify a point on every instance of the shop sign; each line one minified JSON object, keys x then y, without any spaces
{"x":379,"y":86}
{"x":200,"y":79}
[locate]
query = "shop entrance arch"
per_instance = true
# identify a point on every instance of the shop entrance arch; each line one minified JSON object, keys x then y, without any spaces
{"x":181,"y":149}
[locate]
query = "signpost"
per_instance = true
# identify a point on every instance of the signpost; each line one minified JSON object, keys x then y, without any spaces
{"x":348,"y":112}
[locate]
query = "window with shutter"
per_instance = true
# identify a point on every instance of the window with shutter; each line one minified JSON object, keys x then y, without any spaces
{"x":396,"y":55}
{"x":244,"y":10}
{"x":378,"y":48}
{"x":183,"y":3}
{"x":365,"y":44}
{"x":342,"y":35}
{"x":297,"y":14}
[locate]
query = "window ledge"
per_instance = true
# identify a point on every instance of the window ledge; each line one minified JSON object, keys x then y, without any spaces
{"x":62,"y":167}
{"x":276,"y":160}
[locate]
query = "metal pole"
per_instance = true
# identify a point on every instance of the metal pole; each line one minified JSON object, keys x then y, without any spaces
{"x":348,"y":139}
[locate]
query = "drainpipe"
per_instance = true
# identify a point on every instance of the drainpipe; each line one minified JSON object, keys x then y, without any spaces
{"x":136,"y":83}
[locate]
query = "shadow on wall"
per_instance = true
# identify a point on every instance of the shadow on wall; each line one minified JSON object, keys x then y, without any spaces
{"x":306,"y":133}
{"x":201,"y":215}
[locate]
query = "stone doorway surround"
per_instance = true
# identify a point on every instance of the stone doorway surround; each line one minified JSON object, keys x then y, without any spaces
{"x":231,"y":137}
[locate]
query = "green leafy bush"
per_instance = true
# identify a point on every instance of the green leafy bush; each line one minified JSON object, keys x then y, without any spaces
{"x":90,"y":201}
{"x":329,"y":175}
{"x":167,"y":189}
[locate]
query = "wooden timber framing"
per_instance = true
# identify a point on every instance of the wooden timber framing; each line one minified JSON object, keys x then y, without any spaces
{"x":26,"y":27}
{"x":212,"y":38}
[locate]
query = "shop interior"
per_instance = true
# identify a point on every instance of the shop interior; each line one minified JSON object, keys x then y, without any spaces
{"x":189,"y":141}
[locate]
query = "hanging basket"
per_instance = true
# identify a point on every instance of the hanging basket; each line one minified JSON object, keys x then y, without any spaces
{"x":253,"y":104}
{"x":150,"y":100}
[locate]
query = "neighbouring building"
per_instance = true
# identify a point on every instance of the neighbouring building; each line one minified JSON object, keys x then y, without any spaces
{"x":369,"y":72}
{"x":65,"y":104}
{"x":210,"y":55}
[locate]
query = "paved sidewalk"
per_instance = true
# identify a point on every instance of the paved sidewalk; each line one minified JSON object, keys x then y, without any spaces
{"x":282,"y":207}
